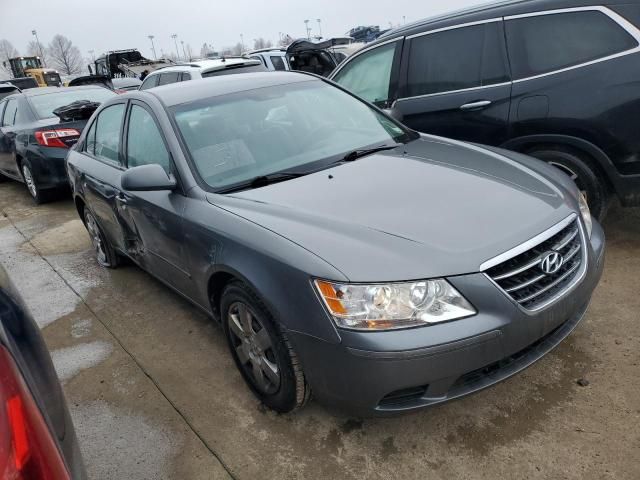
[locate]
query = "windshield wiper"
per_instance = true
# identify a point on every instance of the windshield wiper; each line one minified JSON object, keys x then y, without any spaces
{"x":263,"y":181}
{"x":363,"y":152}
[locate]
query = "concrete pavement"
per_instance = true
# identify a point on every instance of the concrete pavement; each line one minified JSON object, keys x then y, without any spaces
{"x":155,"y":394}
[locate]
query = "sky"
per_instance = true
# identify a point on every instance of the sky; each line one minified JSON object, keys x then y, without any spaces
{"x":102,"y":25}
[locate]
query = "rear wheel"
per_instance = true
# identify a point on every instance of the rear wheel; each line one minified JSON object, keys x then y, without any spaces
{"x":262,"y":351}
{"x":106,"y":256}
{"x":583,"y":172}
{"x":39,"y":196}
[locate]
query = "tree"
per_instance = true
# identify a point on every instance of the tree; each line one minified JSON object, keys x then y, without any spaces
{"x":64,"y":55}
{"x":237,"y":49}
{"x":33,"y":49}
{"x":260,"y":43}
{"x":7,"y":51}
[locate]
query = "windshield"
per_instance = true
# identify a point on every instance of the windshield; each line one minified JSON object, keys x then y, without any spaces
{"x":235,"y":138}
{"x":44,"y":105}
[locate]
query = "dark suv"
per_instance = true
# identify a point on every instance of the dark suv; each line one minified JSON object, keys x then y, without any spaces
{"x":558,"y":80}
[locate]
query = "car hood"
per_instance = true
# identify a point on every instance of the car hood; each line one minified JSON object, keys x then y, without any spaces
{"x":427,"y":209}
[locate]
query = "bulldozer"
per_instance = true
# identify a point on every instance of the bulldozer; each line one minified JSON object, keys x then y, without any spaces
{"x":32,"y":67}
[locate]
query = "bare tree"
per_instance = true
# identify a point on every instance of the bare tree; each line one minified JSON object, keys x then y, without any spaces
{"x":237,"y":49}
{"x":34,"y":49}
{"x":64,"y":55}
{"x":7,"y":51}
{"x":285,"y":40}
{"x":260,"y":43}
{"x":204,"y":50}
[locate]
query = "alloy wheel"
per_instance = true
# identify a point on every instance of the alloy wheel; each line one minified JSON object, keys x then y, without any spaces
{"x":28,"y":179}
{"x":96,"y":239}
{"x":254,"y":348}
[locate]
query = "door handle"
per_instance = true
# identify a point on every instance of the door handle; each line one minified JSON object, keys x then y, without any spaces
{"x":479,"y":105}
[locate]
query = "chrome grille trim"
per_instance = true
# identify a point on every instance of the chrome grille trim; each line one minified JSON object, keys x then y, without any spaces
{"x":515,"y":272}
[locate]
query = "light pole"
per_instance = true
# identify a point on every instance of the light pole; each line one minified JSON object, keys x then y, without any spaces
{"x":404,"y":19}
{"x":93,"y":57}
{"x":184,"y":55}
{"x":242,"y":42}
{"x":35,"y":34}
{"x":153,"y":48}
{"x":175,"y":41}
{"x":319,"y":29}
{"x":306,"y":25}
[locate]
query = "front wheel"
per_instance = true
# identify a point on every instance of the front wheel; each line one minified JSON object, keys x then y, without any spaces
{"x":106,"y":256}
{"x":262,"y":351}
{"x":584,"y":174}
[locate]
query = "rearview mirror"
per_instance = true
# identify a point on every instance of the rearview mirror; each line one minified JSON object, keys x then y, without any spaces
{"x":147,"y":178}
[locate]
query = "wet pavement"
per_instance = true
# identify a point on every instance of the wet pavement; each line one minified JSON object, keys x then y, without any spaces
{"x":154,"y":393}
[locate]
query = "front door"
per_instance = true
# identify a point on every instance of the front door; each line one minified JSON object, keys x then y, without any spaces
{"x":8,"y":163}
{"x":456,"y":83}
{"x":153,"y":220}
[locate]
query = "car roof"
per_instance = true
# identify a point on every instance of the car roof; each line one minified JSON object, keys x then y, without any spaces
{"x":268,"y":50}
{"x":185,"y":92}
{"x":207,"y":65}
{"x":487,"y":11}
{"x":34,"y":92}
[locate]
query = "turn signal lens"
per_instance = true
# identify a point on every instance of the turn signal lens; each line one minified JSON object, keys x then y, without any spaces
{"x":392,"y":306}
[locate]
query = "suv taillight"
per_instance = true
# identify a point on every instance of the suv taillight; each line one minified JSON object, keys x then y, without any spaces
{"x":27,"y":448}
{"x":62,"y":138}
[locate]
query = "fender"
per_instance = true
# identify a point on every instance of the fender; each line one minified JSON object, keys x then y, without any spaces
{"x":519,"y":144}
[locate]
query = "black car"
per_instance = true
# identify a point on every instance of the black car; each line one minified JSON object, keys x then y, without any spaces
{"x":34,"y":141}
{"x":7,"y":89}
{"x":37,"y":438}
{"x":556,"y":79}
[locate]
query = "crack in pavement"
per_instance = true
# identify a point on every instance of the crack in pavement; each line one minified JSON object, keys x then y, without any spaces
{"x":224,"y":465}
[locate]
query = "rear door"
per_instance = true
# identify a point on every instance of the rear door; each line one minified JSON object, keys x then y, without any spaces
{"x":7,"y":138}
{"x":102,"y":167}
{"x":455,"y":82}
{"x":153,"y":220}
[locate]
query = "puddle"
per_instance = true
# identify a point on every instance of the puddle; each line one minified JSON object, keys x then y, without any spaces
{"x":69,"y":237}
{"x":72,"y":360}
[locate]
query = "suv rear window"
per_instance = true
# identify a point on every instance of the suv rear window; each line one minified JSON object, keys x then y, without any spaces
{"x":457,"y":59}
{"x":548,"y":42}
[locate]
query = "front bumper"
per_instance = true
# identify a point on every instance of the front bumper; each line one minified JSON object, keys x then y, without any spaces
{"x":378,"y":373}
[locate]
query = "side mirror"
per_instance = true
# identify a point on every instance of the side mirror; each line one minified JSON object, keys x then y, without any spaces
{"x":147,"y":178}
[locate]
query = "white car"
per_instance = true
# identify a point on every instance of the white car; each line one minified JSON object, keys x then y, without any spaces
{"x":201,"y":69}
{"x":272,"y":58}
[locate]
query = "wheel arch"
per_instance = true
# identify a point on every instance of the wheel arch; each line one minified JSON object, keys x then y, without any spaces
{"x":603,"y":163}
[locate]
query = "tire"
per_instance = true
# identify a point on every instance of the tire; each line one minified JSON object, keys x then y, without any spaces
{"x":106,"y":256}
{"x":582,"y":170}
{"x":37,"y":194}
{"x":262,"y":351}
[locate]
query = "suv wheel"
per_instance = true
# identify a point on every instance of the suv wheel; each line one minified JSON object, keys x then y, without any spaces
{"x":262,"y":351}
{"x":106,"y":256}
{"x":582,"y":171}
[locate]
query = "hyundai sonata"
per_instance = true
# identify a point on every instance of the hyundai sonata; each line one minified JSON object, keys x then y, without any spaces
{"x":343,"y":253}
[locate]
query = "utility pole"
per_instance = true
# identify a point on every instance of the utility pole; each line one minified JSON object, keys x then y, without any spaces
{"x":319,"y":29}
{"x":242,"y":42}
{"x":306,"y":25}
{"x":175,"y":41}
{"x":184,"y":55}
{"x":35,"y":34}
{"x":153,"y":48}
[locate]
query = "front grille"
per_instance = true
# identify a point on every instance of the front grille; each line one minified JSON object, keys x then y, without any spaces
{"x":523,"y":278}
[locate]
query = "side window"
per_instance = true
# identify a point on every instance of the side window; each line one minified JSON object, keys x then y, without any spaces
{"x":90,"y":139}
{"x":369,"y":74}
{"x":9,"y":117}
{"x":107,"y":136}
{"x":145,"y":145}
{"x":278,"y":63}
{"x":256,"y":57}
{"x":584,"y":36}
{"x":185,"y":77}
{"x":149,"y":82}
{"x":169,"y":77}
{"x":456,"y":59}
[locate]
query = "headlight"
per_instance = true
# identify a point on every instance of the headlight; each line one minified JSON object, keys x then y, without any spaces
{"x":586,"y":214}
{"x":391,"y":306}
